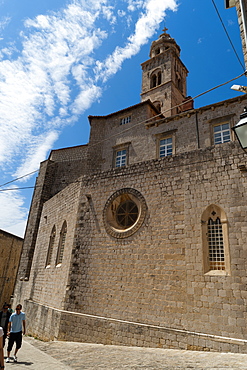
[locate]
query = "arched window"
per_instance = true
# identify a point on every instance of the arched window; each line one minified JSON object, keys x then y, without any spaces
{"x":51,"y":245}
{"x":155,"y":79}
{"x":61,"y":243}
{"x":215,"y":241}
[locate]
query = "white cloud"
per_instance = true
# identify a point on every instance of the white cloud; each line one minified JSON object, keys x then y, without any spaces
{"x":154,"y":12}
{"x":13,"y":214}
{"x":38,"y":153}
{"x":56,"y":76}
{"x":135,"y":4}
{"x":4,"y":22}
{"x":85,"y":99}
{"x":37,"y":84}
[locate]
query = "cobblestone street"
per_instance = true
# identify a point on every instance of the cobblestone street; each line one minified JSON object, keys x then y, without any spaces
{"x":68,"y":355}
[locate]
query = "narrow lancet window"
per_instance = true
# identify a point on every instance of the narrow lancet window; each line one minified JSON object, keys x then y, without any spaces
{"x":61,"y":244}
{"x":216,"y":256}
{"x":51,"y":245}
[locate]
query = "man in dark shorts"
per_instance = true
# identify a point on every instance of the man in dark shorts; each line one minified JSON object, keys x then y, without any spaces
{"x":16,"y":321}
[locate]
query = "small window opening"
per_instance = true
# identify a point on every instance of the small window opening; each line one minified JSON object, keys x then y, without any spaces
{"x":222,"y":133}
{"x":121,"y":158}
{"x":159,"y":78}
{"x":61,"y":244}
{"x":153,"y":81}
{"x":125,"y":120}
{"x":166,"y":147}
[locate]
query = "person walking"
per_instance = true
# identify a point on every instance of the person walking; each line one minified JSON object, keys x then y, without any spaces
{"x":16,"y":321}
{"x":1,"y":348}
{"x":4,"y":320}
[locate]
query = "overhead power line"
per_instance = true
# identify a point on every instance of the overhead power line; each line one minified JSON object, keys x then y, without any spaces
{"x":25,"y":187}
{"x":18,"y":178}
{"x":228,"y":36}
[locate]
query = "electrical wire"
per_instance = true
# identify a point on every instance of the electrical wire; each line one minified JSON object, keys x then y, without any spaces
{"x":228,"y":36}
{"x":157,"y":120}
{"x":25,"y":187}
{"x":18,"y":178}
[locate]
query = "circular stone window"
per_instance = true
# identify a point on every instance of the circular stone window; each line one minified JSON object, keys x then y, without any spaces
{"x":124,"y":213}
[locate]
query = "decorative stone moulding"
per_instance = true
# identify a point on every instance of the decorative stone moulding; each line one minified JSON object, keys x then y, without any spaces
{"x":124,"y":213}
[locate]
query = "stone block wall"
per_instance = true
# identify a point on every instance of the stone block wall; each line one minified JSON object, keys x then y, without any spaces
{"x":40,"y":195}
{"x":48,"y":284}
{"x":123,"y":276}
{"x":156,"y":276}
{"x":53,"y":324}
{"x":74,"y":153}
{"x":107,"y":134}
{"x":54,"y":175}
{"x":69,"y":165}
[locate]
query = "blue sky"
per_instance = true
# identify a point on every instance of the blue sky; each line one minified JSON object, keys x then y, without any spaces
{"x":62,"y":60}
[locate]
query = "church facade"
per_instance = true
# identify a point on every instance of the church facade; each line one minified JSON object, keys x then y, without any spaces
{"x":139,"y":237}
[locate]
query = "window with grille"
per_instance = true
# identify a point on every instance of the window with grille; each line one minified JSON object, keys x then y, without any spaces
{"x":165,"y":147}
{"x":215,"y":241}
{"x":216,"y":245}
{"x":222,"y":133}
{"x":51,"y":245}
{"x":124,"y":213}
{"x":121,"y":157}
{"x":125,"y":120}
{"x":61,"y":244}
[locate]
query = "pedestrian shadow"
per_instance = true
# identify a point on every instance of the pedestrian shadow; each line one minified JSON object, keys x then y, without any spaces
{"x":20,"y":363}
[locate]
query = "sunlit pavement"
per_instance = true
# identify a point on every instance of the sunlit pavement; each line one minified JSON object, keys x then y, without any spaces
{"x":37,"y":355}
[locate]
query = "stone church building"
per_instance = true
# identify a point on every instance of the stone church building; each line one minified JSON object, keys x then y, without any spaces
{"x":139,"y":237}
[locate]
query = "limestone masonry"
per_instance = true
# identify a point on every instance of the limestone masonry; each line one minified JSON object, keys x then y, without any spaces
{"x":139,"y":237}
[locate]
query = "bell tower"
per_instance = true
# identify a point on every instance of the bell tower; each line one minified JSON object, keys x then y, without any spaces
{"x":164,"y":76}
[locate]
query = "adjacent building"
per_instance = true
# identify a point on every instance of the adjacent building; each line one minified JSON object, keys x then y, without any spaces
{"x":10,"y":253}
